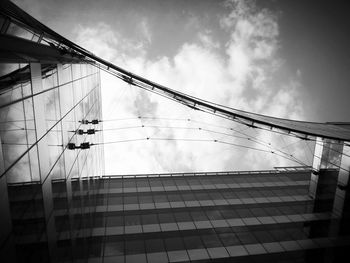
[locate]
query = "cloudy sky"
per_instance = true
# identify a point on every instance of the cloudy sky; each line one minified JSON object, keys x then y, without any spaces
{"x":283,"y":58}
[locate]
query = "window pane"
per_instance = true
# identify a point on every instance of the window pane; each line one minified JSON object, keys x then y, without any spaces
{"x":174,"y":243}
{"x":166,"y":218}
{"x":132,"y":220}
{"x":182,"y":216}
{"x":145,"y":198}
{"x":114,"y":246}
{"x":193,"y":242}
{"x":134,"y":247}
{"x":154,"y":245}
{"x":115,"y":220}
{"x":229,"y":239}
{"x":199,"y":216}
{"x":211,"y":240}
{"x":149,"y":219}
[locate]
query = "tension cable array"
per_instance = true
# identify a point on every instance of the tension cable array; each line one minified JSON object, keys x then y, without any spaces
{"x":273,"y":150}
{"x":247,"y":137}
{"x":87,"y":145}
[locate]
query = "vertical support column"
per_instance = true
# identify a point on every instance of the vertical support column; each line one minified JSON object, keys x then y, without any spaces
{"x":329,"y":186}
{"x":6,"y":241}
{"x":323,"y":184}
{"x":43,"y":155}
{"x":316,"y":164}
{"x":68,"y":181}
{"x":341,"y":205}
{"x":324,"y":179}
{"x":343,"y":185}
{"x":101,"y":147}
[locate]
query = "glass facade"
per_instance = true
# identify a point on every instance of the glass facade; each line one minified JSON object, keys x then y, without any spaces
{"x":231,"y":216}
{"x":48,"y":102}
{"x":59,"y":98}
{"x":43,"y":108}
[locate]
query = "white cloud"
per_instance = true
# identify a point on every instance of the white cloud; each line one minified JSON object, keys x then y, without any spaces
{"x":244,"y":79}
{"x":145,"y":31}
{"x":207,"y":40}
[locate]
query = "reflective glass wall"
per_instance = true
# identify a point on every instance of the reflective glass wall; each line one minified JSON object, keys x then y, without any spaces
{"x":68,"y":94}
{"x":258,"y":216}
{"x":46,"y":111}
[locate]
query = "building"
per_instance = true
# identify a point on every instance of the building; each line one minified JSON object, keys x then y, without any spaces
{"x":35,"y":141}
{"x":228,"y":216}
{"x":57,"y":205}
{"x":46,"y":96}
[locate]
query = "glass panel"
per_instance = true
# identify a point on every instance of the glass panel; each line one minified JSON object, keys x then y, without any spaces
{"x":229,"y":239}
{"x":149,"y":219}
{"x":19,"y":31}
{"x":182,"y":216}
{"x":211,"y":240}
{"x":132,"y":220}
{"x":114,"y":246}
{"x":145,"y":198}
{"x":199,"y":216}
{"x":154,"y":245}
{"x":134,"y":247}
{"x":193,"y":242}
{"x":174,"y":243}
{"x":49,"y":76}
{"x":166,"y":217}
